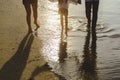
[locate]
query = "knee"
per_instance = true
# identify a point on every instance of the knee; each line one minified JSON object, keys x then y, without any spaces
{"x":28,"y":13}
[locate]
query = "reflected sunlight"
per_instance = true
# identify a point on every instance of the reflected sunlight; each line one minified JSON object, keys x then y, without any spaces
{"x":51,"y":33}
{"x":53,"y":6}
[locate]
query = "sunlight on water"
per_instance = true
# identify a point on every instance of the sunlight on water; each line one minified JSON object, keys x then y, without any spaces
{"x":107,"y":62}
{"x":53,"y":6}
{"x":50,"y":51}
{"x":53,"y":19}
{"x":50,"y":33}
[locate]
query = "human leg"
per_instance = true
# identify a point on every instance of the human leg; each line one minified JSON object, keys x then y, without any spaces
{"x":66,"y":24}
{"x":28,"y":16}
{"x":88,"y":13}
{"x":61,"y":22}
{"x":35,"y":14}
{"x":95,"y":14}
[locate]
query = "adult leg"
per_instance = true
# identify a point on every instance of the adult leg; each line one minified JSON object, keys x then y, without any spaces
{"x":95,"y":14}
{"x":94,"y":19}
{"x":35,"y":14}
{"x":88,"y":13}
{"x":28,"y":16}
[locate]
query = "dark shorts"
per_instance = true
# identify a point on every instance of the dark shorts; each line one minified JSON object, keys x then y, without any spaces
{"x":63,"y":11}
{"x":29,"y":1}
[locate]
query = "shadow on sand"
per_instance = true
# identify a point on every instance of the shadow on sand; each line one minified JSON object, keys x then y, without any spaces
{"x":12,"y":69}
{"x":46,"y":67}
{"x":39,"y":70}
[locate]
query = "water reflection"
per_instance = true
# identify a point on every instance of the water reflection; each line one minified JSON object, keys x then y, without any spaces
{"x":69,"y":65}
{"x":88,"y":66}
{"x":62,"y":51}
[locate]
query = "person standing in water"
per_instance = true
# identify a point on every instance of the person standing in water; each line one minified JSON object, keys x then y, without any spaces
{"x":91,"y":6}
{"x":27,"y":4}
{"x":63,"y":11}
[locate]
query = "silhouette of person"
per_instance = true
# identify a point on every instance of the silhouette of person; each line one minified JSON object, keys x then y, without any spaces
{"x":27,"y":4}
{"x":63,"y":11}
{"x":91,"y":7}
{"x":11,"y":70}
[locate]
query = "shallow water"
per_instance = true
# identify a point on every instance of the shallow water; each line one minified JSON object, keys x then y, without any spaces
{"x":75,"y":59}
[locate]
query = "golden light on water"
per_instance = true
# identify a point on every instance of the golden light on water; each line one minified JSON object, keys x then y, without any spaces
{"x":53,"y":6}
{"x":51,"y":32}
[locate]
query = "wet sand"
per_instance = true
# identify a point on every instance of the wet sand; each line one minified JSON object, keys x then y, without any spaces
{"x":82,"y":57}
{"x":44,"y":57}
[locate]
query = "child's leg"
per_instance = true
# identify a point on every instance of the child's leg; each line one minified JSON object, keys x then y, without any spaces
{"x":61,"y":21}
{"x":66,"y":24}
{"x":66,"y":21}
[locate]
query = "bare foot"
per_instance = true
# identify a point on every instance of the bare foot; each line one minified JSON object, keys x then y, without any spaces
{"x":30,"y":31}
{"x":37,"y":26}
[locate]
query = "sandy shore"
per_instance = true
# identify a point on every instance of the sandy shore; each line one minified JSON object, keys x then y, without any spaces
{"x":19,"y":51}
{"x":24,"y":56}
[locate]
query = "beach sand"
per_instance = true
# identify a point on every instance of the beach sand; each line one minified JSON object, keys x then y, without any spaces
{"x":44,"y":57}
{"x":19,"y":51}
